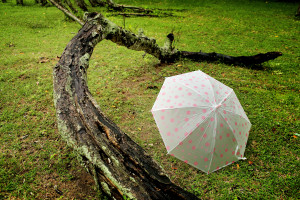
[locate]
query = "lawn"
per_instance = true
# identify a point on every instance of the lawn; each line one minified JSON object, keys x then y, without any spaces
{"x":35,"y":162}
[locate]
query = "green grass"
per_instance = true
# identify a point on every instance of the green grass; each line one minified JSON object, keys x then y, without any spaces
{"x":33,"y":158}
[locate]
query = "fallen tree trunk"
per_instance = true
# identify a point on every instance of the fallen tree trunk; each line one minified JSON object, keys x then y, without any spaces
{"x":120,"y":167}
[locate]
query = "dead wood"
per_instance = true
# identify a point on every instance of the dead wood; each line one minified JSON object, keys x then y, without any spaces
{"x":120,"y":167}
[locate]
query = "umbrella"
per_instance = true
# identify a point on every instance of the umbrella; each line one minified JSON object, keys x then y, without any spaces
{"x":201,"y":121}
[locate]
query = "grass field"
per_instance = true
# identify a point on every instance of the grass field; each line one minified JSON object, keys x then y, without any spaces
{"x":36,"y":164}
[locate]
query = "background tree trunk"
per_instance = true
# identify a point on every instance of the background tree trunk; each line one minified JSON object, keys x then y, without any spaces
{"x":4,"y":1}
{"x":120,"y":167}
{"x":81,"y":4}
{"x":20,"y":2}
{"x":70,"y":5}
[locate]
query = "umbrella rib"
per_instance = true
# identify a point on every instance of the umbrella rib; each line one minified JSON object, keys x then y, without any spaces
{"x":236,"y":114}
{"x":194,"y":90}
{"x":231,"y":130}
{"x":214,"y":141}
{"x":191,"y":130}
{"x":211,"y":88}
{"x":179,"y":108}
{"x":227,"y":96}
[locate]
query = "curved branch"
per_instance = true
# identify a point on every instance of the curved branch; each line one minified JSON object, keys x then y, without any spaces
{"x":239,"y":60}
{"x":120,"y":167}
{"x":168,"y":54}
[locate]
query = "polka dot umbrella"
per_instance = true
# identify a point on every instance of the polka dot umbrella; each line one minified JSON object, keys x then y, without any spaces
{"x":201,"y":121}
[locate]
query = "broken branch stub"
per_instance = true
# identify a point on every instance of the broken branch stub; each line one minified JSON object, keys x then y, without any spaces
{"x":120,"y":167}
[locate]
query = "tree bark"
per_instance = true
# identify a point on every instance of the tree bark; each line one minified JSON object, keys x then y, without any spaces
{"x":120,"y":167}
{"x":4,"y":1}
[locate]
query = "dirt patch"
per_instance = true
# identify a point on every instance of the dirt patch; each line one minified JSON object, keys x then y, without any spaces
{"x":81,"y":186}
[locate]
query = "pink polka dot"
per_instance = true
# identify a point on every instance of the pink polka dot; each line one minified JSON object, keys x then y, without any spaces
{"x":218,"y":168}
{"x":203,"y":117}
{"x":168,"y":134}
{"x":168,"y":100}
{"x":186,"y":134}
{"x":238,"y":153}
{"x":207,"y":101}
{"x":176,"y":129}
{"x":232,"y":152}
{"x":180,"y":143}
{"x":193,"y":147}
{"x":162,"y":117}
{"x":226,"y":150}
{"x":195,"y":163}
{"x":180,"y":88}
{"x":202,"y":129}
{"x":195,"y":105}
{"x":217,"y":92}
{"x":235,"y":123}
{"x":227,"y":162}
{"x":206,"y":93}
{"x":205,"y":135}
{"x":186,"y":161}
{"x":172,"y":155}
{"x":224,"y":111}
{"x":221,"y":125}
{"x":186,"y":119}
{"x":205,"y":159}
{"x":188,"y":112}
{"x":204,"y":110}
{"x":190,"y":94}
{"x":226,"y":119}
{"x":233,"y":130}
{"x":172,"y":120}
{"x":240,"y":133}
{"x":168,"y":147}
{"x":221,"y":155}
{"x":207,"y":144}
{"x":212,"y":119}
{"x":202,"y":85}
{"x":176,"y":97}
{"x":220,"y":137}
{"x":233,"y":139}
{"x":190,"y":141}
{"x":227,"y":134}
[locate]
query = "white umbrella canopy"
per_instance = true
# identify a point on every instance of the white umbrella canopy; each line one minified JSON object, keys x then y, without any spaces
{"x":201,"y":121}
